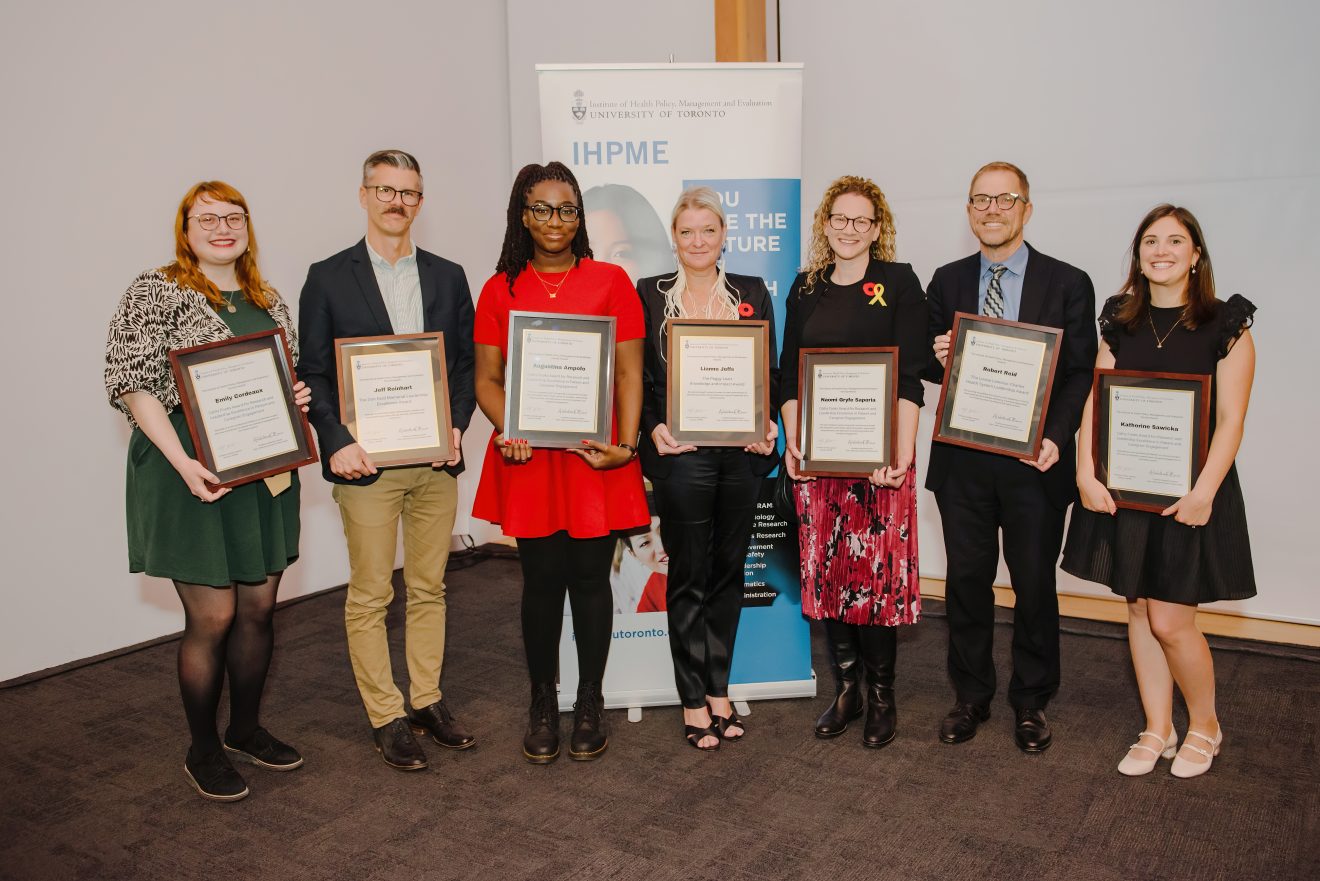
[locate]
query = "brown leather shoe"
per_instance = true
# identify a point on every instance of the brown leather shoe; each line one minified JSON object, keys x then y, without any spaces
{"x":444,"y":729}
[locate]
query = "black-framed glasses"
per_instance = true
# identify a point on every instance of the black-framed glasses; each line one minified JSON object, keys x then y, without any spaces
{"x":1005,"y":201}
{"x":237,"y":220}
{"x":859,"y":224}
{"x":568,"y":212}
{"x":411,"y":198}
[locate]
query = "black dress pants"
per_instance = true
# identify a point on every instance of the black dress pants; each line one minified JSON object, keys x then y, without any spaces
{"x":982,"y":495}
{"x":706,"y":507}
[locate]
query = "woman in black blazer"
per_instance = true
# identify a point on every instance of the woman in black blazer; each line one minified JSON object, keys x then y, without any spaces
{"x":706,"y":498}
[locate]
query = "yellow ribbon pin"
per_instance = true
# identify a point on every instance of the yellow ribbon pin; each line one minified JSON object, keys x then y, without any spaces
{"x":876,"y":292}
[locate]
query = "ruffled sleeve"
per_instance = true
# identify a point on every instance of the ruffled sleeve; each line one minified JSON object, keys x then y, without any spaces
{"x":1238,"y":315}
{"x":1110,"y":327}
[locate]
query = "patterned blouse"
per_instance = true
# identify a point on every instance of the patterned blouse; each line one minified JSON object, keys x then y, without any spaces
{"x":155,"y":316}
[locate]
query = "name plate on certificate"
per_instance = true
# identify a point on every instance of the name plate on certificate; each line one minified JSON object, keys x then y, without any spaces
{"x":997,"y":386}
{"x":718,"y":381}
{"x":559,"y":379}
{"x":394,"y":397}
{"x":237,"y":396}
{"x":1150,"y":435}
{"x":847,"y":401}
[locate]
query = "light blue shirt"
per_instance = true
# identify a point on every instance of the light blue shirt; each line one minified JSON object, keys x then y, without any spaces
{"x":400,"y":288}
{"x":1010,"y":282}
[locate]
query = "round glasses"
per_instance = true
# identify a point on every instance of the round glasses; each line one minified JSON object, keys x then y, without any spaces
{"x":568,"y":212}
{"x":411,"y":198}
{"x":236,"y":220}
{"x":859,"y":224}
{"x":1005,"y":201}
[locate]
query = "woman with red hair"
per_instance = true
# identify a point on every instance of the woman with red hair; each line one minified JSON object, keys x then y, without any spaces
{"x":224,"y":549}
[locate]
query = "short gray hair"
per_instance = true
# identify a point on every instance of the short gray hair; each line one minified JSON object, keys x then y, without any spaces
{"x":394,"y":158}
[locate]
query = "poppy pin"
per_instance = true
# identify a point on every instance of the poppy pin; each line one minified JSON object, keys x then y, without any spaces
{"x":746,"y":310}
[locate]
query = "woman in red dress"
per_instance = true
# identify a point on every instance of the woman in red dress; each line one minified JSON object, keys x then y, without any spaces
{"x":564,"y":507}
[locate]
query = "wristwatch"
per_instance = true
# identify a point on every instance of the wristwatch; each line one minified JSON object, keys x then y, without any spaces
{"x":631,"y":449}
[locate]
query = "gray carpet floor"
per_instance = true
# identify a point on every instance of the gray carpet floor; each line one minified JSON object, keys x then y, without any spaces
{"x":91,"y":782}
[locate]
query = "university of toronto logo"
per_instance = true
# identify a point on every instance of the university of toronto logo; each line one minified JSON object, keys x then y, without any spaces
{"x":579,"y":106}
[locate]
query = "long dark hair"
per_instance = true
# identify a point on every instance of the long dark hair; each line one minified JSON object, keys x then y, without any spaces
{"x":517,"y":248}
{"x":1200,"y":306}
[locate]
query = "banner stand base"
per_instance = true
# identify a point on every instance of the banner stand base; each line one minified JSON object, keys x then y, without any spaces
{"x":740,"y":693}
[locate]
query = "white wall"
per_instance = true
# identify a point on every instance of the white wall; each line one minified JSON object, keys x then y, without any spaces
{"x":1110,"y":108}
{"x":110,"y":111}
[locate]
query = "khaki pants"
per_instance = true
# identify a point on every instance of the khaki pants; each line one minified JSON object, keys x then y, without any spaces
{"x":427,"y":500}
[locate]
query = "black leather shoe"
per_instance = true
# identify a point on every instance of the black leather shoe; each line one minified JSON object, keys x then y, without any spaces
{"x":881,"y":717}
{"x":841,"y":642}
{"x":444,"y":729}
{"x":1032,"y":733}
{"x":589,"y":738}
{"x":263,"y":749}
{"x":213,"y":777}
{"x":961,"y":723}
{"x":398,"y":747}
{"x":541,"y":742}
{"x":879,"y":654}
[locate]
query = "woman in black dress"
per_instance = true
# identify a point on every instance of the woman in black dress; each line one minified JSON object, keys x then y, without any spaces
{"x":706,"y":498}
{"x":1196,"y":551}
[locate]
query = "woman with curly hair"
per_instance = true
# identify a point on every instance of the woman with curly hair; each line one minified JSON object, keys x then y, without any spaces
{"x":564,"y":507}
{"x":858,"y":536}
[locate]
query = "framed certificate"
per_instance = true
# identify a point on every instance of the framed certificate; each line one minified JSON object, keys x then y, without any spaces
{"x":847,"y":401}
{"x":997,"y":386}
{"x":718,"y":381}
{"x":237,"y":395}
{"x":559,"y":379}
{"x":394,"y":397}
{"x":1150,"y":435}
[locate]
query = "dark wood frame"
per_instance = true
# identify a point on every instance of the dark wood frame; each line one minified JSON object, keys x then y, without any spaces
{"x":278,"y":344}
{"x":964,"y":321}
{"x":759,"y":331}
{"x":887,"y":355}
{"x":434,"y":344}
{"x":1197,"y":383}
{"x":602,"y":325}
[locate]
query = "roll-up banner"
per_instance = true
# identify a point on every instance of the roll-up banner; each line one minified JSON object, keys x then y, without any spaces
{"x":636,"y":136}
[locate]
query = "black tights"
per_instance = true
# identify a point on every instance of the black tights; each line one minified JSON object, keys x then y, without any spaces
{"x":226,"y":630}
{"x":580,"y":566}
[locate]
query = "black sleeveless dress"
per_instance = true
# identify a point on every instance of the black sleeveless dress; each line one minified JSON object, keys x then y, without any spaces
{"x":1140,"y":554}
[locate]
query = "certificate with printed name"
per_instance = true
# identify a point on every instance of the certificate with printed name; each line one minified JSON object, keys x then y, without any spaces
{"x":1150,"y":440}
{"x":394,"y":397}
{"x":237,"y":396}
{"x":717,"y":381}
{"x":559,"y":378}
{"x":847,"y":400}
{"x":997,"y":385}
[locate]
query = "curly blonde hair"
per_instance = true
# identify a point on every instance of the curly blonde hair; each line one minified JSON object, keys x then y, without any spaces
{"x":819,"y":255}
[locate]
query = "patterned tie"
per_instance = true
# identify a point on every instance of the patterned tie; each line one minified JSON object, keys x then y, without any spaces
{"x":994,"y":294}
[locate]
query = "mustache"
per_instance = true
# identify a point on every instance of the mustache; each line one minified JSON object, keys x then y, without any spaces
{"x":398,"y":211}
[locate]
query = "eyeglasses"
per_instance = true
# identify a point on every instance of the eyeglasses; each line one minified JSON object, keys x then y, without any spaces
{"x":1005,"y":201}
{"x":860,"y":224}
{"x":212,"y":221}
{"x":568,"y":212}
{"x":410,"y":198}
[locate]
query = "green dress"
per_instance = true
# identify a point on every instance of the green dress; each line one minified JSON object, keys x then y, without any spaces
{"x":241,"y":538}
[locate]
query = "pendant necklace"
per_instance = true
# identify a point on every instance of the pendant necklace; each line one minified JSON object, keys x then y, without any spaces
{"x":229,"y":303}
{"x":1159,"y":340}
{"x":552,"y":290}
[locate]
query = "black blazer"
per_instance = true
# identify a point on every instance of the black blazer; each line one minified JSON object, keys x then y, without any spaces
{"x":1054,"y":294}
{"x":655,"y":376}
{"x":341,"y":299}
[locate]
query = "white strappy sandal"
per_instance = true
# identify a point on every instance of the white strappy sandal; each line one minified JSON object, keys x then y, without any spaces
{"x":1137,"y":765}
{"x":1185,"y":767}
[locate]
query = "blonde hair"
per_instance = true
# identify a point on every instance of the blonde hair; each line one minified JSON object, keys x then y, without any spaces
{"x":697,"y":198}
{"x":819,"y":255}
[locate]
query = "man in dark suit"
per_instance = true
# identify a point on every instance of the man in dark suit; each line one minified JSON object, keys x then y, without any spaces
{"x":981,"y":494}
{"x":385,"y":285}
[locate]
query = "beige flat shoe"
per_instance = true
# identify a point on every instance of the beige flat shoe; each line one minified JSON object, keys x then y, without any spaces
{"x":1135,"y":763}
{"x":1186,"y":767}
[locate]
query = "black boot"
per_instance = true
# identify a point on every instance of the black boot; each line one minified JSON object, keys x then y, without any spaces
{"x":589,"y":738}
{"x":841,"y":640}
{"x":879,"y":651}
{"x":541,"y":743}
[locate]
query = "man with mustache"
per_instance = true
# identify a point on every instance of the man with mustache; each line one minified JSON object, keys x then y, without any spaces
{"x":981,"y":494}
{"x":386,"y":285}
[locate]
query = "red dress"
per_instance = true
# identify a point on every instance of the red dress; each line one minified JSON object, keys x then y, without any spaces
{"x":555,"y":490}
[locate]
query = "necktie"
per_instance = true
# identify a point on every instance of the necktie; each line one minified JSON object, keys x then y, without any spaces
{"x":994,"y":294}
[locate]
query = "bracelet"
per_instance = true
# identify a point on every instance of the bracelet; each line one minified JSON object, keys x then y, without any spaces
{"x":631,"y":449}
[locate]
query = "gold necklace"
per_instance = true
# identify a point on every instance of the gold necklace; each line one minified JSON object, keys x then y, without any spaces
{"x":1159,"y":340}
{"x":229,"y":303}
{"x":552,"y":290}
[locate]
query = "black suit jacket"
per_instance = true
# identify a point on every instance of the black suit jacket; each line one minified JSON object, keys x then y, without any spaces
{"x":1054,"y":294}
{"x":341,"y":299}
{"x":655,"y":377}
